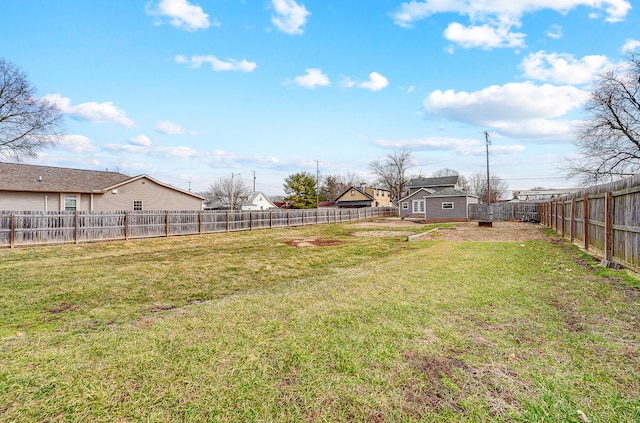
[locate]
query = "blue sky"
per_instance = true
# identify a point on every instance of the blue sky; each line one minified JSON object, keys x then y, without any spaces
{"x":188,"y":91}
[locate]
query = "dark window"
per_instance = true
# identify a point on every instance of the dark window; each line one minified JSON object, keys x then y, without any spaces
{"x":70,"y":203}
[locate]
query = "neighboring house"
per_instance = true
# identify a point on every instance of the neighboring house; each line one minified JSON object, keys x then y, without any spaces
{"x":283,"y":204}
{"x":364,"y":197}
{"x":257,"y":201}
{"x":437,"y":184}
{"x":445,"y":205}
{"x":46,"y":188}
{"x":326,"y":204}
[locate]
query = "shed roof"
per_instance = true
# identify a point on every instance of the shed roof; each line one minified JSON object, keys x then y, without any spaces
{"x":450,"y":192}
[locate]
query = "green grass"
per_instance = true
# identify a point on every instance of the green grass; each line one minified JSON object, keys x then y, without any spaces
{"x":242,"y":327}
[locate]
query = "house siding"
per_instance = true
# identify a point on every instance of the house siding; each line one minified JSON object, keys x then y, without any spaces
{"x":435,"y":210}
{"x":152,"y":195}
{"x":29,"y":201}
{"x":382,"y":197}
{"x":409,"y":200}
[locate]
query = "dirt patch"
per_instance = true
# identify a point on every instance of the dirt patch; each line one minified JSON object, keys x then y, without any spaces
{"x":60,"y":308}
{"x":376,"y":234}
{"x":388,"y":223}
{"x":313,"y":242}
{"x":499,"y":232}
{"x":440,"y":383}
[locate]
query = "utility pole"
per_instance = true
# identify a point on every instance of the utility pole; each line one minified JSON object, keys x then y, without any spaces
{"x":486,"y":136}
{"x":233,"y":188}
{"x":254,"y":180}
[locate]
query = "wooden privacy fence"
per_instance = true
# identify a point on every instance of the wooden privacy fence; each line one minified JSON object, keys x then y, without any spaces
{"x":21,"y":228}
{"x":525,"y":212}
{"x":605,"y":218}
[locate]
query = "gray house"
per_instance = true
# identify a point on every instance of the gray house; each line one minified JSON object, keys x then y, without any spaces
{"x":47,"y":188}
{"x":437,"y":184}
{"x":445,"y":205}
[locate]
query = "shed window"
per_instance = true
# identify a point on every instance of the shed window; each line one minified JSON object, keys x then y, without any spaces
{"x":70,"y":203}
{"x":353,"y":192}
{"x":418,"y":206}
{"x":405,"y":205}
{"x":137,"y":205}
{"x":447,"y":205}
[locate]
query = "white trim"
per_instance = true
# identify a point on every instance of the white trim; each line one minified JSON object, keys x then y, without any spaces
{"x":447,"y":203}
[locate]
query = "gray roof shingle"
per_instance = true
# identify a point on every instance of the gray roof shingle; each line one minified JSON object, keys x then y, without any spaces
{"x":23,"y":177}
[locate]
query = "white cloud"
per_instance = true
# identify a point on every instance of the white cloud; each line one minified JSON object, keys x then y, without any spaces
{"x":563,"y":68}
{"x":290,"y":17}
{"x":518,"y":109}
{"x":491,"y":20}
{"x":462,"y":146}
{"x":180,"y":152}
{"x":346,"y":82}
{"x":484,"y":36}
{"x":630,"y":45}
{"x":181,"y":13}
{"x":93,"y":112}
{"x":376,"y":82}
{"x":128,"y":148}
{"x":313,"y":78}
{"x":217,"y":64}
{"x":76,"y":143}
{"x":141,"y":140}
{"x":554,"y":32}
{"x":170,"y":128}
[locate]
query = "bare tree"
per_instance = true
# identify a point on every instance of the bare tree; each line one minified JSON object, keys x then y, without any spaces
{"x":333,"y":185}
{"x":609,"y":141}
{"x":452,"y":172}
{"x":497,"y":187}
{"x":229,"y":191}
{"x":27,"y":123}
{"x":391,"y":173}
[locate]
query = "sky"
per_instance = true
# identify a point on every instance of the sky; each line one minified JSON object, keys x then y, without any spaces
{"x":191,"y":91}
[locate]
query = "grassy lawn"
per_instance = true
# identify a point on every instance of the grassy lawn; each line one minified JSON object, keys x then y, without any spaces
{"x":243,"y":327}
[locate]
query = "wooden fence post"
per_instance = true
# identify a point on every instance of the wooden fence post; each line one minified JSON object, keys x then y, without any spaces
{"x":12,"y":241}
{"x":77,"y":229}
{"x":608,"y":230}
{"x":250,"y":220}
{"x":228,"y":225}
{"x":126,"y":225}
{"x":572,"y":220}
{"x":585,"y":223}
{"x":166,"y":223}
{"x":562,"y":217}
